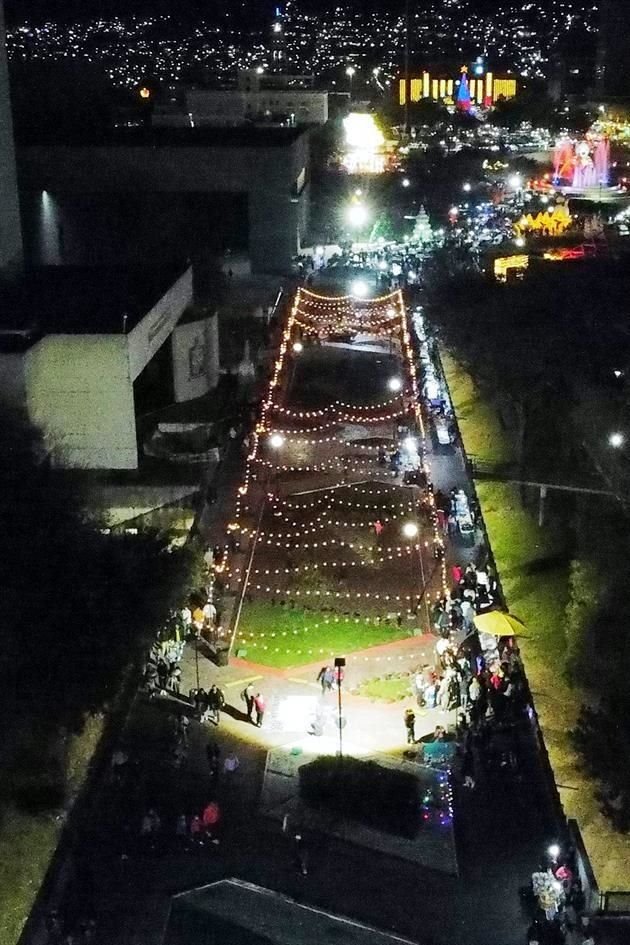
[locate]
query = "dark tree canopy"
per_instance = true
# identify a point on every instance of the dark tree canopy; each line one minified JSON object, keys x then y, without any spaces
{"x":77,"y":606}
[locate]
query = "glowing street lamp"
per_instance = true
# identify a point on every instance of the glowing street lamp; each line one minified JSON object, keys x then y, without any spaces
{"x":298,"y":347}
{"x":394,"y":384}
{"x":466,"y":187}
{"x":406,"y":182}
{"x":359,"y":289}
{"x":357,"y":214}
{"x":515,"y":181}
{"x":350,"y":72}
{"x":276,"y":440}
{"x":410,"y":530}
{"x":616,"y":440}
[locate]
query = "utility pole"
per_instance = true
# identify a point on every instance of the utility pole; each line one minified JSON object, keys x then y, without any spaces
{"x":340,"y":662}
{"x":407,"y":82}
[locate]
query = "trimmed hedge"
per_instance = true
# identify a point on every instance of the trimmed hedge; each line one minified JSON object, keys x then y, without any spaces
{"x":383,"y":798}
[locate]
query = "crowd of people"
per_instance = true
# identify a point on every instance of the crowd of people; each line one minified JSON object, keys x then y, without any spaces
{"x":480,"y":679}
{"x":556,"y":898}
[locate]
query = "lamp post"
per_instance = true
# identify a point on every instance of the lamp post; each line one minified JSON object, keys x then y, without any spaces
{"x":350,"y":72}
{"x":410,"y":531}
{"x":340,"y":662}
{"x":197,"y":636}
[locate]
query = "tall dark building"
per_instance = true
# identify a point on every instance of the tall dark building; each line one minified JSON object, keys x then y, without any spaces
{"x":10,"y":227}
{"x":278,"y":43}
{"x":613,"y":74}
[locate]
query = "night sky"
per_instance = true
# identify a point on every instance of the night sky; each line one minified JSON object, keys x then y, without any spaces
{"x":69,"y":10}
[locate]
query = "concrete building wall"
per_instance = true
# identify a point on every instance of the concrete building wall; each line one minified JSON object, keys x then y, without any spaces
{"x":79,"y":391}
{"x":130,"y":228}
{"x":148,"y":336}
{"x":302,"y":107}
{"x":195,"y":358}
{"x":274,"y":179}
{"x":10,"y":225}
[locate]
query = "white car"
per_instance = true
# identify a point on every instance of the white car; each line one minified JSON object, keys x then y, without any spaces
{"x":442,"y":432}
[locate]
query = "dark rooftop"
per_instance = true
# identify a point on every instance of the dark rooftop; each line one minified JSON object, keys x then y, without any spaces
{"x":79,"y":300}
{"x":232,"y":912}
{"x":239,"y":136}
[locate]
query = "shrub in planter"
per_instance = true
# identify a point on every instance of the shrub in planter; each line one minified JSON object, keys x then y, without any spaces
{"x":383,"y":798}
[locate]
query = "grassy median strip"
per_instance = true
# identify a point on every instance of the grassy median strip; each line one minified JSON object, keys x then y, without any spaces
{"x":534,"y":574}
{"x":282,"y":636}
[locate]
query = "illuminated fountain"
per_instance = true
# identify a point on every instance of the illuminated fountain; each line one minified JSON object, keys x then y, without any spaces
{"x":582,"y":167}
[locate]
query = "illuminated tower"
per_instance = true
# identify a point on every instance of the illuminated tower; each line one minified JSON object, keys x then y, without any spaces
{"x":463,"y":93}
{"x":278,"y":45}
{"x":10,"y":226}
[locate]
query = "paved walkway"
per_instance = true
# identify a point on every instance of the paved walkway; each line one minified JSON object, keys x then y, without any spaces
{"x":501,"y":827}
{"x":293,"y":696}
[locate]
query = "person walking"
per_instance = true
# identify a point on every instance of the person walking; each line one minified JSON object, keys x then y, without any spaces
{"x":326,"y":677}
{"x":210,"y":817}
{"x":247,"y":696}
{"x":162,"y":672}
{"x":410,"y":724}
{"x":231,"y":764}
{"x":259,"y":705}
{"x":216,"y":701}
{"x":301,"y":855}
{"x":213,"y":756}
{"x":181,"y":730}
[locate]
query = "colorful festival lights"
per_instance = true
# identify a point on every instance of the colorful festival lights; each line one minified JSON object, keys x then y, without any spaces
{"x":286,"y":443}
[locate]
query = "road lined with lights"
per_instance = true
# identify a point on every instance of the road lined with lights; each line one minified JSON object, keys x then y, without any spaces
{"x":279,"y":453}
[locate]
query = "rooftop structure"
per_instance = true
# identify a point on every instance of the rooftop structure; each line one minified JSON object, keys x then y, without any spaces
{"x":76,"y":300}
{"x":232,"y":911}
{"x":83,"y":352}
{"x":160,"y":193}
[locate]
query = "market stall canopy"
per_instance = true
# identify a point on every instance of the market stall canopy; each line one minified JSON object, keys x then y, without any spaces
{"x":499,"y":624}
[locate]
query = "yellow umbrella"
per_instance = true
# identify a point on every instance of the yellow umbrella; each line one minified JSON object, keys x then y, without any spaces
{"x":499,"y":624}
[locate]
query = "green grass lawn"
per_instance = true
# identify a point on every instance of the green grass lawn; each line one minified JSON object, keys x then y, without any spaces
{"x":483,"y":435}
{"x":532,"y":566}
{"x":281,"y":636}
{"x":386,"y":688}
{"x":534,"y":576}
{"x":27,"y":842}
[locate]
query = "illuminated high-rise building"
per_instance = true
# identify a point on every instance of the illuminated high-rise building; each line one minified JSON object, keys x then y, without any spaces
{"x":10,"y":226}
{"x":278,"y":43}
{"x":462,"y":89}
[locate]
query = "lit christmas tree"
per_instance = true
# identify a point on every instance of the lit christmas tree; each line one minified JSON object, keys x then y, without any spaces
{"x":422,"y":232}
{"x":463,"y":93}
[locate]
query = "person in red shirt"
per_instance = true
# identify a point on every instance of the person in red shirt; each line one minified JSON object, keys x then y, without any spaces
{"x":259,"y":705}
{"x":211,"y":816}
